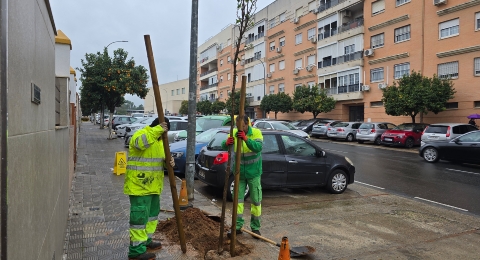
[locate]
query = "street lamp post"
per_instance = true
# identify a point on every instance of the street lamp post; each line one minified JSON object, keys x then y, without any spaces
{"x":114,"y":42}
{"x":264,"y":83}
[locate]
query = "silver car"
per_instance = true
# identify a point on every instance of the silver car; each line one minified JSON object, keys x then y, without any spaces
{"x":320,"y":129}
{"x":372,"y":131}
{"x":280,"y":125}
{"x":344,"y":130}
{"x":445,"y":131}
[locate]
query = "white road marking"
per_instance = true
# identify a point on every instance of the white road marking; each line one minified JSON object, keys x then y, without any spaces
{"x":370,"y":185}
{"x":335,"y":151}
{"x":448,"y":169}
{"x":440,"y":203}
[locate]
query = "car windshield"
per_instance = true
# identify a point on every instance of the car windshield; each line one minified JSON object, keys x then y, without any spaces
{"x":283,"y":126}
{"x":216,"y":142}
{"x":203,"y":124}
{"x":437,"y":129}
{"x":206,"y":136}
{"x":147,"y":121}
{"x":306,"y":122}
{"x":366,"y":126}
{"x":406,"y":127}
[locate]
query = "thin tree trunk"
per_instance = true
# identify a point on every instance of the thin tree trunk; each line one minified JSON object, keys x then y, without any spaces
{"x":276,"y":115}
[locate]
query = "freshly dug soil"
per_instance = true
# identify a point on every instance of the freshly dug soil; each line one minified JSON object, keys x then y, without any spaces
{"x":201,"y":232}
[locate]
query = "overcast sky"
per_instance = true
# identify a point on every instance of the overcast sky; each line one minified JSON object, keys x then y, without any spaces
{"x":92,"y":24}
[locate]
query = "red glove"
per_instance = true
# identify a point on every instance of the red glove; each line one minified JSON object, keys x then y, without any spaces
{"x":230,"y":141}
{"x":241,"y":134}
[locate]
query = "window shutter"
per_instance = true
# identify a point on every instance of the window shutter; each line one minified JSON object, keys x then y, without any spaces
{"x":298,"y":64}
{"x":311,"y":60}
{"x":378,"y":6}
{"x":312,"y":5}
{"x":449,"y":24}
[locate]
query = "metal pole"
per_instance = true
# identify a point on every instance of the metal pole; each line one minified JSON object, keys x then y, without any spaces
{"x":3,"y":127}
{"x":161,"y":118}
{"x":192,"y":104}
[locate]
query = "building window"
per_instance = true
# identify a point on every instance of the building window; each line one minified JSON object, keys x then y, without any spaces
{"x":272,"y":89}
{"x":476,"y":104}
{"x":272,"y":67}
{"x":228,"y":76}
{"x":221,"y":62}
{"x":272,"y":23}
{"x":282,"y":17}
{"x":477,"y":66}
{"x":183,"y":90}
{"x":377,"y":41}
{"x":173,"y":92}
{"x":448,"y":70}
{"x":378,"y":7}
{"x":311,"y":60}
{"x":401,"y":2}
{"x":298,"y":64}
{"x":311,"y":33}
{"x":376,"y":75}
{"x":477,"y":19}
{"x":249,"y":77}
{"x":401,"y":69}
{"x":298,"y":12}
{"x":221,"y":78}
{"x":297,"y":86}
{"x":311,"y":84}
{"x":228,"y":59}
{"x":298,"y":38}
{"x":221,"y":94}
{"x":272,"y":46}
{"x":451,"y":105}
{"x":312,"y":5}
{"x":282,"y":41}
{"x":449,"y":28}
{"x":281,"y":65}
{"x":402,"y":33}
{"x":376,"y":104}
{"x":281,"y":87}
{"x":178,"y":91}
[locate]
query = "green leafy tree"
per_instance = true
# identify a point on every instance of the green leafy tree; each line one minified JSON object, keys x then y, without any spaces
{"x":140,"y":107}
{"x":279,"y":102}
{"x":204,"y":107}
{"x":236,"y":103}
{"x":415,"y":93}
{"x":218,"y":106}
{"x":306,"y":99}
{"x":106,"y":79}
{"x":184,"y":107}
{"x":122,"y":110}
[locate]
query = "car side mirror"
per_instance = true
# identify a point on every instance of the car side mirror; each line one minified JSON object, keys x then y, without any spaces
{"x":320,"y":153}
{"x":457,"y":141}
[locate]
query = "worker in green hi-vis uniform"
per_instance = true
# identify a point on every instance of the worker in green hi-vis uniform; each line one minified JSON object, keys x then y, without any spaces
{"x":250,"y":171}
{"x":144,"y":184}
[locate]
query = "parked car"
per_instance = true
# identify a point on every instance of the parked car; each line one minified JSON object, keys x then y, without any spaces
{"x":137,"y":114}
{"x":120,"y":120}
{"x":464,"y":148}
{"x":122,"y":129}
{"x":307,"y":125}
{"x":203,"y":124}
{"x":320,"y":128}
{"x":372,"y":131}
{"x":344,"y":130}
{"x":178,"y":150}
{"x":280,"y":125}
{"x":408,"y":135}
{"x":288,"y":161}
{"x":445,"y":131}
{"x":295,"y":122}
{"x":176,"y":126}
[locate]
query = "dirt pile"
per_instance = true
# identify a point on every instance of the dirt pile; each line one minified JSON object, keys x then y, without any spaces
{"x":200,"y":231}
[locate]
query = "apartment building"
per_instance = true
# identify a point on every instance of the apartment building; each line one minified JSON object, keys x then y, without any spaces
{"x":172,"y":94}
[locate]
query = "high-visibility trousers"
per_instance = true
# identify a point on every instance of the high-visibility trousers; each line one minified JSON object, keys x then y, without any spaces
{"x":144,"y":212}
{"x":256,"y":202}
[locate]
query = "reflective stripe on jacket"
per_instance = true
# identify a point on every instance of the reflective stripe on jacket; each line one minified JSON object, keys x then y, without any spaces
{"x":146,"y":159}
{"x":251,"y":158}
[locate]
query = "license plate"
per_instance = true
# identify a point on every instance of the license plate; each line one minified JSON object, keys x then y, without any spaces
{"x":433,"y":137}
{"x":201,"y":173}
{"x":388,"y":139}
{"x":363,"y":131}
{"x":333,"y":133}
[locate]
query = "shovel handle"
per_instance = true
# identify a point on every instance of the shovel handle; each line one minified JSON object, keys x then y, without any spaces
{"x":260,"y":237}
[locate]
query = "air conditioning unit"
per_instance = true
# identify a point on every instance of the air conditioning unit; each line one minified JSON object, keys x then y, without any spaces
{"x":249,"y":95}
{"x":269,"y":75}
{"x":295,"y":71}
{"x":382,"y":85}
{"x":313,"y":39}
{"x":279,"y":49}
{"x":366,"y":88}
{"x":309,"y":67}
{"x":296,"y":20}
{"x":347,"y":13}
{"x":242,"y":62}
{"x":368,"y":52}
{"x":439,"y":2}
{"x":315,"y":11}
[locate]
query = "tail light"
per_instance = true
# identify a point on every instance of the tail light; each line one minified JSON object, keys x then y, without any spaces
{"x":372,"y":131}
{"x":340,"y":130}
{"x":426,"y":130}
{"x":221,"y":158}
{"x":329,"y":129}
{"x":448,"y":132}
{"x":358,"y":130}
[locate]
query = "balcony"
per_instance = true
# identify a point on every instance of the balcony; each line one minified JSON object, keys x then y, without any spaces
{"x":208,"y":72}
{"x":327,"y":34}
{"x":347,"y":92}
{"x":258,"y":36}
{"x":214,"y":85}
{"x":340,"y":59}
{"x":329,"y":4}
{"x":351,"y":25}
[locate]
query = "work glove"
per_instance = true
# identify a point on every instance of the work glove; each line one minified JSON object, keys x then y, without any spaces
{"x":241,"y":134}
{"x":164,"y":125}
{"x":172,"y":162}
{"x":230,"y":141}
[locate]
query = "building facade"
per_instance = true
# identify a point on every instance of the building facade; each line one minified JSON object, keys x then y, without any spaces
{"x":172,"y":95}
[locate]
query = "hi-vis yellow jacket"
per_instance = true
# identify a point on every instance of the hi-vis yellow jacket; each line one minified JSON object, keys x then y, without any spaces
{"x":146,"y":160}
{"x":251,"y":158}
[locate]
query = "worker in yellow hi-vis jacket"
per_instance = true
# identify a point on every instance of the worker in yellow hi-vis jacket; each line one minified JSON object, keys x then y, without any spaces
{"x":250,"y":171}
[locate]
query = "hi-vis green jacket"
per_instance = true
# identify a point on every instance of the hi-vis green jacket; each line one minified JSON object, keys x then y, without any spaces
{"x":251,"y":158}
{"x":146,"y":160}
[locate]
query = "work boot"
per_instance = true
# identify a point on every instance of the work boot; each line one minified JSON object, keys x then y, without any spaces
{"x":256,"y":232}
{"x":154,"y":246}
{"x":144,"y":256}
{"x":238,"y":232}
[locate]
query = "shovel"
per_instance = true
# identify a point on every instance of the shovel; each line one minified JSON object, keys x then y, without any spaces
{"x":294,"y":251}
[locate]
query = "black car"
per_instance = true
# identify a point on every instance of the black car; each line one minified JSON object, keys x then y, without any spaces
{"x":464,"y":148}
{"x":288,"y":161}
{"x":307,"y":125}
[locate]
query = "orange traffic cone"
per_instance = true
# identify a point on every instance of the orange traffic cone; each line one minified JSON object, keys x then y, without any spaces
{"x":284,"y":250}
{"x":183,"y":198}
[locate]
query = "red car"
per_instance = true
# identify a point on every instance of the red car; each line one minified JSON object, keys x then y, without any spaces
{"x":407,"y":135}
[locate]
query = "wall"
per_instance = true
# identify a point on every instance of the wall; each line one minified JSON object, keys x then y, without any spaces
{"x":37,"y":152}
{"x":169,"y":102}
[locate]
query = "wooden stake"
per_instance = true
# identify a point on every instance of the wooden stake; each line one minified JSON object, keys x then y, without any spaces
{"x":161,"y":118}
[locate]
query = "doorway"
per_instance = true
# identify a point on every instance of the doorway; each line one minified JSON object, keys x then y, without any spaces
{"x":356,"y":113}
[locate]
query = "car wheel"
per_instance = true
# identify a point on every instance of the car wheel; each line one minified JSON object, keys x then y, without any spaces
{"x":231,"y":183}
{"x":378,"y":140}
{"x":337,"y":183}
{"x":360,"y":141}
{"x":350,"y":138}
{"x":409,"y":143}
{"x":430,"y":154}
